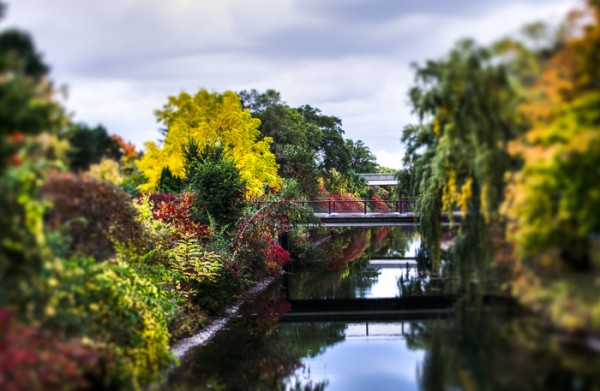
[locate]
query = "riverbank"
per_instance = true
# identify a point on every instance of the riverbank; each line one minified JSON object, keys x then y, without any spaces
{"x":182,"y":346}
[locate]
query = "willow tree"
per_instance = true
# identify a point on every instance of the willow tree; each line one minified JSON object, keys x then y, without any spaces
{"x":457,"y":152}
{"x":211,"y":119}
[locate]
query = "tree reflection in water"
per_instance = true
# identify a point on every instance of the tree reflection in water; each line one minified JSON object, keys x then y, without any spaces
{"x":478,"y":347}
{"x":500,"y":349}
{"x":341,"y":268}
{"x":252,"y":353}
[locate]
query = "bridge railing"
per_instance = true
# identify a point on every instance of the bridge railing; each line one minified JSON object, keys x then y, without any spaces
{"x":361,"y":206}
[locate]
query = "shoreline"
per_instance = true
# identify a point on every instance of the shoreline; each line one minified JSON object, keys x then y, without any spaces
{"x":182,"y":346}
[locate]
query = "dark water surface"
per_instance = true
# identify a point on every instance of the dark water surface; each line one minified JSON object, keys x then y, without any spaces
{"x":476,"y":347}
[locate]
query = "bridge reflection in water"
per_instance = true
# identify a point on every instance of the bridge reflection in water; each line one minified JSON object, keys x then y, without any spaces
{"x":378,"y":330}
{"x":383,"y":272}
{"x":326,"y":307}
{"x":436,"y":348}
{"x":401,"y":308}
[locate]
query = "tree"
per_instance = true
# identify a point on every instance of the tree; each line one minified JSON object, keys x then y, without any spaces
{"x":301,"y":167}
{"x":214,"y":119}
{"x":466,"y":104}
{"x":169,"y":183}
{"x":552,"y":198}
{"x":258,"y":102}
{"x":89,"y":145}
{"x":26,"y":95}
{"x":218,"y":187}
{"x":361,"y":158}
{"x":18,"y":53}
{"x":332,"y":153}
{"x":552,"y":202}
{"x":286,"y":127}
{"x":284,"y":124}
{"x":308,"y":128}
{"x":30,"y":123}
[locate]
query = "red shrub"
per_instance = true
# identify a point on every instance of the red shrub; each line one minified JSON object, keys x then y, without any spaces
{"x":380,"y":234}
{"x":275,"y":256}
{"x":346,"y":203}
{"x":176,"y":210}
{"x":96,"y":214}
{"x":33,"y":360}
{"x":377,"y":204}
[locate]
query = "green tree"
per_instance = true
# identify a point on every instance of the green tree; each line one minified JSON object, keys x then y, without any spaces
{"x":30,"y":122}
{"x":169,"y":183}
{"x":302,"y":168}
{"x":332,"y":153}
{"x":308,"y":128}
{"x":89,"y":145}
{"x":258,"y":102}
{"x":457,"y":154}
{"x":27,"y":106}
{"x":362,"y":159}
{"x":283,"y":124}
{"x":218,"y":187}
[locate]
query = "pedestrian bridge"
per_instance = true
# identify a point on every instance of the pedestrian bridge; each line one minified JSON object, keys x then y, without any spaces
{"x":364,"y":213}
{"x":380,"y":179}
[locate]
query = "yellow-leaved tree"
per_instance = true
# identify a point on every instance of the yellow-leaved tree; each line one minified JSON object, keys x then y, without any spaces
{"x":215,"y":119}
{"x":552,"y":202}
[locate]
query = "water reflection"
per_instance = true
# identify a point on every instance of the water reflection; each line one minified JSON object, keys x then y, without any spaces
{"x":372,"y":356}
{"x":365,"y":263}
{"x":492,"y":347}
{"x":479,"y":348}
{"x":500,"y":349}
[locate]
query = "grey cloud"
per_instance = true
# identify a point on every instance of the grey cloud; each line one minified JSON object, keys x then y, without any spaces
{"x":348,"y":57}
{"x":376,"y":11}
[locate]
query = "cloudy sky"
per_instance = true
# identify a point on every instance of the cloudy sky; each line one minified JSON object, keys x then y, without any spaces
{"x":120,"y":59}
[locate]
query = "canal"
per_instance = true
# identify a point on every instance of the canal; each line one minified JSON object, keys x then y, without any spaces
{"x":474,"y":345}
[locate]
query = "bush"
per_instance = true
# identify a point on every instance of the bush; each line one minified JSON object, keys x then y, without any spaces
{"x":218,"y":192}
{"x":169,"y":183}
{"x":176,"y":210}
{"x":107,"y":170}
{"x":193,"y":265}
{"x":214,"y":294}
{"x":24,"y":254}
{"x":276,"y":257}
{"x":115,"y":305}
{"x":96,"y":215}
{"x":202,"y":279}
{"x":31,"y":359}
{"x":253,"y":243}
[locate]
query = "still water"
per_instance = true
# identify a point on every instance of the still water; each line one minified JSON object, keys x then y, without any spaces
{"x":477,"y":347}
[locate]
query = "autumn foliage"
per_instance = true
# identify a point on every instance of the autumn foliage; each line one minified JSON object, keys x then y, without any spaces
{"x":176,"y":210}
{"x":552,"y":201}
{"x":96,"y":216}
{"x":211,"y":119}
{"x":32,"y":359}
